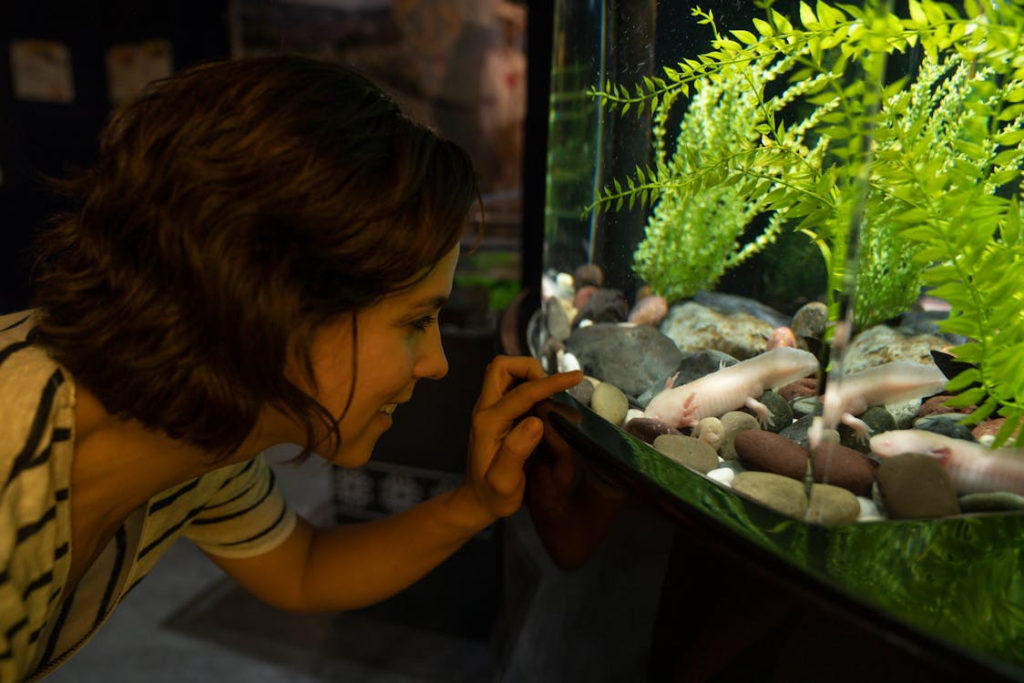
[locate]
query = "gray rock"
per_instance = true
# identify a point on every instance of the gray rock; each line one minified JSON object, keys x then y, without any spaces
{"x":878,"y":420}
{"x":805,"y":405}
{"x":610,"y":403}
{"x":603,"y":306}
{"x":798,"y":431}
{"x":694,"y":327}
{"x":927,"y":322}
{"x":904,"y":412}
{"x":731,"y":304}
{"x":947,"y":424}
{"x":782,"y":494}
{"x":1003,"y":501}
{"x":780,"y":414}
{"x":733,"y":423}
{"x":696,"y":364}
{"x":692,"y":366}
{"x":556,"y":320}
{"x":832,"y":505}
{"x":584,"y":391}
{"x":632,"y":357}
{"x":687,"y":451}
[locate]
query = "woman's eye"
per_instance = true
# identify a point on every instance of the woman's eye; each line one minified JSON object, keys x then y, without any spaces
{"x":424,"y":322}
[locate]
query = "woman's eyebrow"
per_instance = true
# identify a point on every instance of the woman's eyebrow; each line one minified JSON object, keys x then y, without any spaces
{"x":430,"y":302}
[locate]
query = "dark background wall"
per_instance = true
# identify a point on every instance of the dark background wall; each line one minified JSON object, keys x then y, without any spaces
{"x":42,"y":139}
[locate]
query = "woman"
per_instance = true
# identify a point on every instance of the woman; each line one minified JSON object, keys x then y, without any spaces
{"x":258,"y":257}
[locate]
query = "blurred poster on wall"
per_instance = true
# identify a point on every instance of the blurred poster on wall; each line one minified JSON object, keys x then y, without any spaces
{"x":457,"y":65}
{"x":41,"y":71}
{"x":130,"y":66}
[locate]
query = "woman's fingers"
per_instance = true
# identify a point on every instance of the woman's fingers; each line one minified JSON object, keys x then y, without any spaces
{"x":507,"y":373}
{"x":505,"y":475}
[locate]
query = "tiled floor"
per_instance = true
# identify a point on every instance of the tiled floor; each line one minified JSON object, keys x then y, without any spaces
{"x":186,"y":622}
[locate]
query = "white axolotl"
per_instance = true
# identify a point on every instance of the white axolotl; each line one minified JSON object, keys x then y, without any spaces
{"x":731,"y":388}
{"x":853,"y":394}
{"x":974,"y":468}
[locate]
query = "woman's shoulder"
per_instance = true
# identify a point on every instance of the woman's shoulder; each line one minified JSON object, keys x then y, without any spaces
{"x":15,"y":327}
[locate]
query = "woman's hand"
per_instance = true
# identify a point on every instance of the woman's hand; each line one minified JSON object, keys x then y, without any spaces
{"x":501,"y":438}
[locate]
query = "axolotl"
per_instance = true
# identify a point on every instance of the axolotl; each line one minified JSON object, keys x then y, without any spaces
{"x":732,"y":388}
{"x":891,"y":382}
{"x":974,"y":468}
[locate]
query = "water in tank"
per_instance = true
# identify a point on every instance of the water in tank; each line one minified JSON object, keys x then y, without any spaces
{"x":783,"y":240}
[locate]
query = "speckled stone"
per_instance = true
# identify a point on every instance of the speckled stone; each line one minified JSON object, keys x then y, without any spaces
{"x":610,"y":403}
{"x":733,"y":423}
{"x":833,"y":464}
{"x":810,"y":320}
{"x":832,"y":505}
{"x":693,"y":327}
{"x":647,"y":429}
{"x":916,"y":486}
{"x":782,"y":494}
{"x":883,"y":344}
{"x":687,"y":451}
{"x":1003,"y":501}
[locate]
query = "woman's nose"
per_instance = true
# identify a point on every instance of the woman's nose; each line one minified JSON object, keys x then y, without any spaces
{"x":433,"y":364}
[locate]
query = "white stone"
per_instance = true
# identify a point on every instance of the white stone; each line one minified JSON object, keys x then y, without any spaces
{"x":631,"y":414}
{"x":723,"y":475}
{"x":868,"y":510}
{"x":567,"y":362}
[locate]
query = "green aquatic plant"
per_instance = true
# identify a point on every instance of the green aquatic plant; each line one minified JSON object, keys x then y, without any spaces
{"x":918,"y":176}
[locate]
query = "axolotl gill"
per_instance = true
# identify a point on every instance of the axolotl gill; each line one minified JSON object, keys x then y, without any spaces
{"x":732,"y":388}
{"x":974,"y":468}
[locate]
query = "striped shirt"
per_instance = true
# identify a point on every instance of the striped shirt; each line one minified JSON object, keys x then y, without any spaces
{"x":235,"y":511}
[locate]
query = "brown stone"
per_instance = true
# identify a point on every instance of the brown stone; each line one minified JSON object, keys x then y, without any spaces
{"x":648,"y":429}
{"x":933,"y":406}
{"x":991,"y":428}
{"x":916,"y":486}
{"x":833,"y":464}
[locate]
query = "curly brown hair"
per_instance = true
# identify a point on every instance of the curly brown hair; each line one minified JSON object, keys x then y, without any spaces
{"x":236,"y":207}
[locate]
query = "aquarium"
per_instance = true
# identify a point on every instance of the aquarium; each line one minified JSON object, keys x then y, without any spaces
{"x":783,"y":241}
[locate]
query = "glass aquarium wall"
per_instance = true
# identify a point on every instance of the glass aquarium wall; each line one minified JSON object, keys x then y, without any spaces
{"x":783,"y":241}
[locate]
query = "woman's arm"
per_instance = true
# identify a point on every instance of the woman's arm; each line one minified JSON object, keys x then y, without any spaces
{"x":355,"y":565}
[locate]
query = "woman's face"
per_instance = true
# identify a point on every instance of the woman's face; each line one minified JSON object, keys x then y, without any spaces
{"x":399,"y":343}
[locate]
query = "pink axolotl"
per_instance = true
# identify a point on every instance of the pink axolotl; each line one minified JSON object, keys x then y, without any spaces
{"x":893,"y":382}
{"x":731,"y":388}
{"x":973,"y":467}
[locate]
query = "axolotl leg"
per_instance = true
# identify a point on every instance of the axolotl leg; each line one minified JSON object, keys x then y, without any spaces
{"x":859,"y":427}
{"x":759,"y":408}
